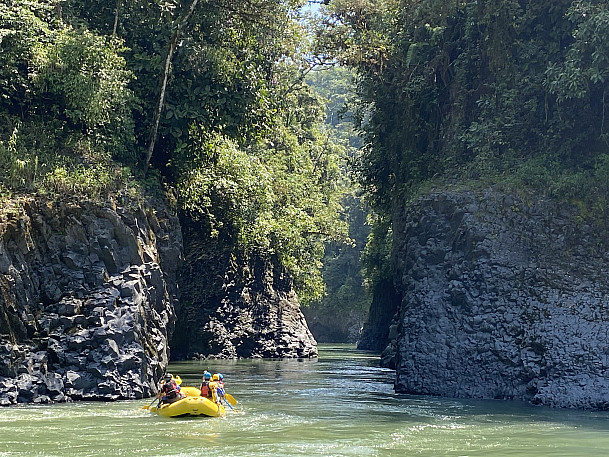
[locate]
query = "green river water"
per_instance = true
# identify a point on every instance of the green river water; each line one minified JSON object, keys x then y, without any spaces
{"x":340,"y":404}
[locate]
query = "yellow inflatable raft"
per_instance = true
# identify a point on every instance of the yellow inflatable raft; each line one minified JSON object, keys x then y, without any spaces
{"x":191,"y":405}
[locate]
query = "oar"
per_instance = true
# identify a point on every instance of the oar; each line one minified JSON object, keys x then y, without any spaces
{"x":148,"y":406}
{"x":228,"y":404}
{"x":230,"y":399}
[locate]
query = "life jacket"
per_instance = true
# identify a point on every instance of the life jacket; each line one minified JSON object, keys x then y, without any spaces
{"x":170,"y":389}
{"x":205,"y":390}
{"x":213,"y":387}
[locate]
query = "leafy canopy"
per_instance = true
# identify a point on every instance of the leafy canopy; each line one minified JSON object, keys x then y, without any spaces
{"x":239,"y":135}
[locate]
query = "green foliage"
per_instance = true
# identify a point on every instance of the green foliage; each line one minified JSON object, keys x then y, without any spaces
{"x":65,"y":107}
{"x":94,"y":182}
{"x":251,"y":160}
{"x":29,"y":163}
{"x":280,"y":199}
{"x":463,"y":88}
{"x":335,"y":85}
{"x":341,"y":312}
{"x":587,"y":60}
{"x":226,"y":189}
{"x":346,"y":301}
{"x":84,"y":80}
{"x":495,"y":90}
{"x":376,"y":257}
{"x":239,"y":136}
{"x":23,"y":30}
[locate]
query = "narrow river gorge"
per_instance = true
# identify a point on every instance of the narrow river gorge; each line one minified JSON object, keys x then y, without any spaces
{"x":341,"y":404}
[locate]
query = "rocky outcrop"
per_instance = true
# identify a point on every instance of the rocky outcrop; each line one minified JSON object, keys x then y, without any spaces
{"x":334,"y":326}
{"x":86,"y":300}
{"x":376,"y":334}
{"x":233,"y":308}
{"x":503,"y":297}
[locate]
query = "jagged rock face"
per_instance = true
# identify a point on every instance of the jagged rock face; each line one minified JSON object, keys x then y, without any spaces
{"x":377,"y":335}
{"x":233,"y":308}
{"x":502,"y":298}
{"x":327,"y":327}
{"x":86,"y":301}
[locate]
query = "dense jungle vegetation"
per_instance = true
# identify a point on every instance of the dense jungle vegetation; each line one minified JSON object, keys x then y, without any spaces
{"x":211,"y":101}
{"x":471,"y":89}
{"x":203,"y":100}
{"x":340,"y":314}
{"x":511,"y":92}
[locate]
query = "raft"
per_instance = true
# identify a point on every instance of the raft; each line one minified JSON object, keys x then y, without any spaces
{"x":191,"y":405}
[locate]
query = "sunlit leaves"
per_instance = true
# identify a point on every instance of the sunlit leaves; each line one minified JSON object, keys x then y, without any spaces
{"x":22,"y":33}
{"x":226,"y":189}
{"x":87,"y":74}
{"x":239,"y":130}
{"x":276,"y":199}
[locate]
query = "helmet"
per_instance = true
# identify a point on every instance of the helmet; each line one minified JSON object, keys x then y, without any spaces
{"x":167,"y":377}
{"x":220,"y":375}
{"x":206,"y":375}
{"x":215,"y":377}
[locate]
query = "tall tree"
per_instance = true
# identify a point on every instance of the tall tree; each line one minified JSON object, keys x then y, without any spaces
{"x":180,"y":24}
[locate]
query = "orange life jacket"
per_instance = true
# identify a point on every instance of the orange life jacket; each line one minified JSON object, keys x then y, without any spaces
{"x":205,"y":390}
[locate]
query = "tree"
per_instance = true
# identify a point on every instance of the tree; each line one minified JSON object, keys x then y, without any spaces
{"x":64,"y":99}
{"x":501,"y":90}
{"x":181,"y":23}
{"x":208,"y":93}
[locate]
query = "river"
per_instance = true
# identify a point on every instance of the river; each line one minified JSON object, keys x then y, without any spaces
{"x":341,"y":404}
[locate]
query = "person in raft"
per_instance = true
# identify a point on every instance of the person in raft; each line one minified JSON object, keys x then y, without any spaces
{"x":169,"y":390}
{"x":221,"y":384}
{"x":205,"y":380}
{"x":217,"y":388}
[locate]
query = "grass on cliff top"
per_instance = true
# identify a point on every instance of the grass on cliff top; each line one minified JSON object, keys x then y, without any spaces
{"x":70,"y":178}
{"x":46,"y":159}
{"x":588,"y":189}
{"x":584,"y":189}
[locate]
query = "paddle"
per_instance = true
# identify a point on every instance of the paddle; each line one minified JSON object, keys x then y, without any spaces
{"x":230,"y":399}
{"x":148,"y":406}
{"x":228,"y":404}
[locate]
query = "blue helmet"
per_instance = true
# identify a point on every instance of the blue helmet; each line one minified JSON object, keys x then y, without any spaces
{"x":220,"y":375}
{"x":207,"y":375}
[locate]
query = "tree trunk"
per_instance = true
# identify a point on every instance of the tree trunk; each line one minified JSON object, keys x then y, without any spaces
{"x":116,"y":14}
{"x":180,"y":24}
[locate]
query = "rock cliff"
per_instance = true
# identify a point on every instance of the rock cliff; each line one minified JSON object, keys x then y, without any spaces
{"x":502,"y":297}
{"x":89,"y":301}
{"x":86,"y":300}
{"x":376,"y":333}
{"x":234,"y":307}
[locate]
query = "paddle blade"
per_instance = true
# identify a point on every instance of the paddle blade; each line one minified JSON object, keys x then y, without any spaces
{"x":230,"y":399}
{"x":146,"y":407}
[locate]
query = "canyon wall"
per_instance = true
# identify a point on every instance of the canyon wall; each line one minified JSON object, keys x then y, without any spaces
{"x":236,"y":306}
{"x":503,"y":296}
{"x":87,"y":298}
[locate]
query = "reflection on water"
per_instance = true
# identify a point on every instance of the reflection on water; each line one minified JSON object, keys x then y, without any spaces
{"x":341,"y":404}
